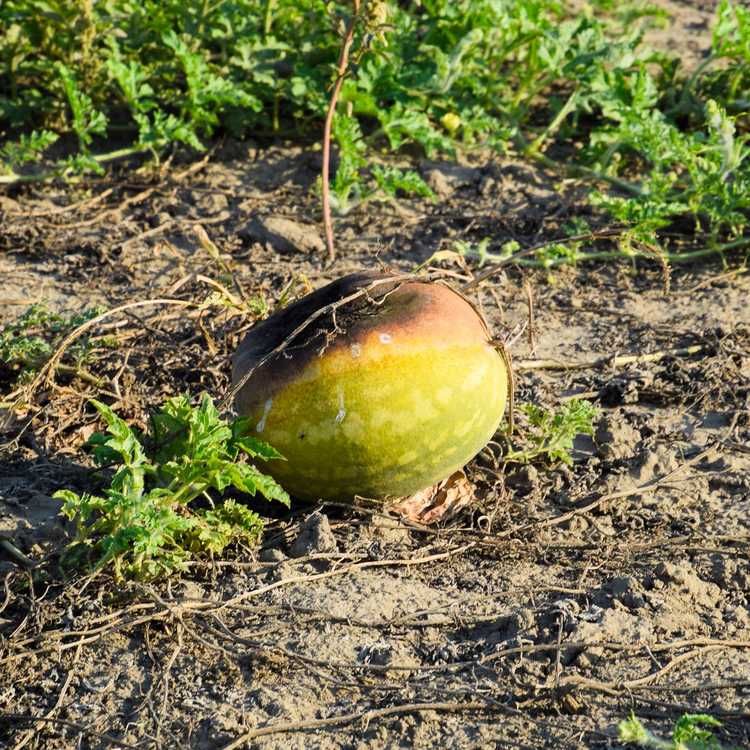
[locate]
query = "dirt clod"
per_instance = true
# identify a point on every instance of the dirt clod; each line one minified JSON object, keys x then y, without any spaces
{"x":283,"y":235}
{"x":315,"y":536}
{"x":615,"y":438}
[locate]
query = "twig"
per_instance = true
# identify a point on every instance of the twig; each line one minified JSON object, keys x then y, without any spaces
{"x":558,"y":652}
{"x":684,"y":708}
{"x":627,"y":359}
{"x":16,"y":554}
{"x":165,"y":683}
{"x":711,"y":281}
{"x":405,"y":562}
{"x":169,"y":609}
{"x":343,"y":64}
{"x":73,"y":725}
{"x":616,"y":688}
{"x":63,"y":690}
{"x":365,"y":716}
{"x":702,"y":686}
{"x":51,"y":364}
{"x":649,"y":486}
{"x":530,"y":305}
{"x":83,"y":374}
{"x":87,"y":203}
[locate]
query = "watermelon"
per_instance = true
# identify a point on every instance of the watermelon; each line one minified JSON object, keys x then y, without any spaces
{"x":375,"y":385}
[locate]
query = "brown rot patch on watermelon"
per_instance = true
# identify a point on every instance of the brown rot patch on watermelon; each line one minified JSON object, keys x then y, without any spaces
{"x":375,"y":385}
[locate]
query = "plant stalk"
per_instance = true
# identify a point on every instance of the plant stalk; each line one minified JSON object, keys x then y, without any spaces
{"x":341,"y":71}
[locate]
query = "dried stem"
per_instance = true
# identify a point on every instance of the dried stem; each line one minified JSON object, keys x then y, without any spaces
{"x":343,"y":64}
{"x":364,"y":716}
{"x":610,"y":361}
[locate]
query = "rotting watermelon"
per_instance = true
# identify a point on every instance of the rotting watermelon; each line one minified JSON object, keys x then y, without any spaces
{"x":375,"y":385}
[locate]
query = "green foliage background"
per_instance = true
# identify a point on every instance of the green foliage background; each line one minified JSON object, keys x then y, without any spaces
{"x":579,"y":92}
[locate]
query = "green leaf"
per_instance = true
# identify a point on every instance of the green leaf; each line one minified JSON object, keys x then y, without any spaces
{"x":149,"y":520}
{"x":551,"y":434}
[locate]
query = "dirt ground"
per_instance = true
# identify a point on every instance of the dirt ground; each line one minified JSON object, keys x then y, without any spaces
{"x":538,"y":618}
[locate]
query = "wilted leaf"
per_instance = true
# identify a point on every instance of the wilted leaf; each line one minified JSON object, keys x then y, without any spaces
{"x":440,"y":502}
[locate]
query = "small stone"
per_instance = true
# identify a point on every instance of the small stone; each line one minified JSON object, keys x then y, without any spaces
{"x":192,"y":590}
{"x":315,"y":537}
{"x":446,"y":177}
{"x":379,"y":653}
{"x":702,"y":593}
{"x":272,"y":556}
{"x":281,"y":572}
{"x":589,"y":658}
{"x":671,"y":573}
{"x":210,"y":203}
{"x":521,"y":622}
{"x":387,"y":530}
{"x":615,"y":438}
{"x":525,"y":479}
{"x":628,"y":590}
{"x":284,"y":235}
{"x":160,"y":219}
{"x":438,"y":183}
{"x":487,"y":186}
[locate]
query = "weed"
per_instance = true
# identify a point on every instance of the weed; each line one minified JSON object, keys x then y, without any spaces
{"x":667,"y":152}
{"x":351,"y":187}
{"x":689,"y":733}
{"x":30,"y":341}
{"x":147,"y":523}
{"x":550,"y":434}
{"x":28,"y":148}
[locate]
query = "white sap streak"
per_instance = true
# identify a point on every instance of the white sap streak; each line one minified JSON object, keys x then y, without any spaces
{"x":356,"y":350}
{"x":266,"y":409}
{"x":342,"y":410}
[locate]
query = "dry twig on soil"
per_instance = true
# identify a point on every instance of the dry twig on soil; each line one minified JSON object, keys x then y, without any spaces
{"x":609,"y":360}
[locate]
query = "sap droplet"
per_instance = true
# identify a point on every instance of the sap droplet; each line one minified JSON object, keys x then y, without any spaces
{"x":385,"y":338}
{"x":356,"y":350}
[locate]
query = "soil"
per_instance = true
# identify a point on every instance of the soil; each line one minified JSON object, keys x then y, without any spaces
{"x":561,"y":600}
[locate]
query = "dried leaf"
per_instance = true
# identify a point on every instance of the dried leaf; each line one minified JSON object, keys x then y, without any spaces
{"x":440,"y":502}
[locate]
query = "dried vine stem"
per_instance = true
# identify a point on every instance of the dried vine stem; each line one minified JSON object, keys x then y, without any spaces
{"x":649,"y":486}
{"x":364,"y":716}
{"x":47,"y":371}
{"x":616,"y":688}
{"x":80,"y":728}
{"x":627,"y":359}
{"x":343,"y":65}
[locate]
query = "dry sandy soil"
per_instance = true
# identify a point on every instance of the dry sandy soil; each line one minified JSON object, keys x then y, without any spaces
{"x":539,"y":617}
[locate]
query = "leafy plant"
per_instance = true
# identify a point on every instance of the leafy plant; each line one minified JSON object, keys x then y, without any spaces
{"x":395,"y":182}
{"x":148,"y":523}
{"x":689,"y":733}
{"x":667,"y":147}
{"x":28,"y":148}
{"x":353,"y":186}
{"x":347,"y":183}
{"x":703,"y":176}
{"x":550,"y":434}
{"x":86,"y":121}
{"x":27,"y":343}
{"x":480,"y":251}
